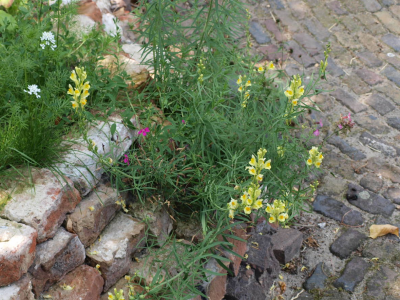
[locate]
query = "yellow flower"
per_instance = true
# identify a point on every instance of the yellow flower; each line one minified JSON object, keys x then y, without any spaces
{"x":239,"y":81}
{"x":300,"y":90}
{"x":75,"y":104}
{"x":289,"y":93}
{"x":97,"y":266}
{"x":91,"y":208}
{"x":253,"y":161}
{"x":260,"y":177}
{"x":127,"y":278}
{"x":313,"y":151}
{"x":260,"y":69}
{"x":231,"y":213}
{"x":240,"y":89}
{"x":258,"y":204}
{"x":294,"y":101}
{"x":246,"y":95}
{"x":261,"y":153}
{"x":77,"y":92}
{"x":83,"y":102}
{"x":85,"y":94}
{"x":281,"y":218}
{"x":280,"y":151}
{"x":272,"y":219}
{"x":320,"y":156}
{"x":252,"y":170}
{"x":247,"y":210}
{"x":286,"y":216}
{"x":249,"y":201}
{"x":236,"y":187}
{"x":267,"y":165}
{"x":270,"y":66}
{"x":233,"y":204}
{"x":269,"y":208}
{"x":248,"y":83}
{"x":111,"y":297}
{"x":93,"y":143}
{"x":73,"y":78}
{"x":309,"y":161}
{"x":110,"y":160}
{"x":70,"y":90}
{"x":244,"y":197}
{"x":317,"y":164}
{"x":86,"y":86}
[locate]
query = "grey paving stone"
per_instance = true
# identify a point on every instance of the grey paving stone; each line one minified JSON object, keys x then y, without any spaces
{"x":317,"y":29}
{"x":393,"y":194}
{"x":369,"y":201}
{"x":380,"y":103}
{"x":337,"y":210}
{"x":287,"y":244}
{"x":277,"y":4}
{"x":372,"y":182}
{"x":258,"y":32}
{"x":384,"y":249}
{"x":337,"y":8}
{"x":378,"y":284}
{"x":372,"y":5}
{"x":384,"y":169}
{"x":394,"y":122}
{"x":333,"y":69}
{"x":378,"y":144}
{"x":353,"y":274}
{"x":298,"y":54}
{"x":392,"y":74}
{"x":349,"y":241}
{"x":348,"y":100}
{"x":370,"y":59}
{"x":392,"y":41}
{"x":388,"y":2}
{"x":312,"y":46}
{"x":337,"y":164}
{"x":372,"y":124}
{"x":350,"y":151}
{"x":369,"y":76}
{"x":318,"y":278}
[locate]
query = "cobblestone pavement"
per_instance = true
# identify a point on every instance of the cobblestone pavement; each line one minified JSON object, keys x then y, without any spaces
{"x":361,"y":182}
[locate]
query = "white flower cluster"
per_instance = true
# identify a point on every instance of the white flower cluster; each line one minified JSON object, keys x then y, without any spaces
{"x":33,"y":89}
{"x":48,"y":40}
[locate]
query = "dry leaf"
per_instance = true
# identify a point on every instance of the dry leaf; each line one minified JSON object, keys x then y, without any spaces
{"x":380,"y":230}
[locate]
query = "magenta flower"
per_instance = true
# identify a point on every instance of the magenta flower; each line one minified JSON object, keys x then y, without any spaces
{"x":316,"y":132}
{"x":144,"y":131}
{"x":126,"y":159}
{"x":183,"y":121}
{"x":340,"y":126}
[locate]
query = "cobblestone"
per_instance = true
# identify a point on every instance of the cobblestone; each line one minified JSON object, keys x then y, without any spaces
{"x":370,"y":59}
{"x":369,"y":77}
{"x":337,"y":8}
{"x":388,"y":21}
{"x":348,"y":100}
{"x":317,"y":29}
{"x":380,"y":104}
{"x":259,"y":33}
{"x":379,"y":145}
{"x":300,"y":55}
{"x":349,"y":241}
{"x":372,"y":182}
{"x":372,"y":124}
{"x":372,"y":5}
{"x":350,"y":151}
{"x":353,"y":274}
{"x":394,"y":122}
{"x":272,"y":27}
{"x":371,"y":23}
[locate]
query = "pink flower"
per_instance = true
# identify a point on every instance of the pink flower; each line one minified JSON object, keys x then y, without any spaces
{"x":144,"y":131}
{"x":340,"y":126}
{"x":183,"y":121}
{"x":320,"y":123}
{"x":316,"y":132}
{"x":126,"y":159}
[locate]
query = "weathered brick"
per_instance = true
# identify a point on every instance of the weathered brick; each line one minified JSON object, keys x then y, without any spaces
{"x":345,"y":148}
{"x":287,"y":20}
{"x":394,"y":61}
{"x":352,"y":24}
{"x":369,"y":59}
{"x":388,"y":21}
{"x":258,"y":32}
{"x":372,"y":124}
{"x":272,"y":27}
{"x":354,"y":6}
{"x":273,"y":53}
{"x":394,"y":122}
{"x":333,"y":69}
{"x":301,"y":56}
{"x":371,"y":23}
{"x":299,"y":9}
{"x":277,"y":4}
{"x":348,"y":100}
{"x":370,"y":42}
{"x":345,"y":38}
{"x":380,"y":104}
{"x":356,"y":84}
{"x":388,"y":2}
{"x":317,"y":29}
{"x":372,"y":5}
{"x":369,"y":76}
{"x":322,"y":13}
{"x":390,"y":90}
{"x":337,"y":7}
{"x":392,"y":41}
{"x":309,"y":43}
{"x":378,"y":144}
{"x":392,"y":74}
{"x":395,"y":9}
{"x":286,"y":244}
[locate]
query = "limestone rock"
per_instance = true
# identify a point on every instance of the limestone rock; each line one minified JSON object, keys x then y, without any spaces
{"x":17,"y":251}
{"x":83,"y":283}
{"x":55,"y":258}
{"x":18,"y":290}
{"x":43,"y":207}
{"x":113,"y":250}
{"x":93,"y":213}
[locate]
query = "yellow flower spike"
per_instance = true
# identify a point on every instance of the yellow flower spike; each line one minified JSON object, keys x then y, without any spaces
{"x":110,"y":160}
{"x":231,"y":213}
{"x":247,"y":210}
{"x":269,"y":208}
{"x":272,"y":219}
{"x":260,"y":177}
{"x":260,"y":69}
{"x":261,"y":153}
{"x":75,"y":104}
{"x":280,"y":151}
{"x":289,"y":93}
{"x":267,"y":164}
{"x":233,"y":204}
{"x":257,"y":193}
{"x":246,"y":95}
{"x":271,"y":66}
{"x":281,"y":218}
{"x":294,"y":102}
{"x":248,"y":83}
{"x":314,"y":151}
{"x":253,"y":161}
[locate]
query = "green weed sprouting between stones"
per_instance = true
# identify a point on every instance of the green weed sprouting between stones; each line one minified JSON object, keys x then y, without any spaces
{"x":38,"y":51}
{"x":221,"y":109}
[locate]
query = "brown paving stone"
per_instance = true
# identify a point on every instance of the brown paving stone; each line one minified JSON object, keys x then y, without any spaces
{"x":272,"y":52}
{"x":394,"y":61}
{"x":287,"y":20}
{"x":301,"y":56}
{"x":389,"y":21}
{"x":337,"y":7}
{"x":299,"y":9}
{"x":370,"y":59}
{"x":371,"y":23}
{"x":380,"y":104}
{"x":322,"y":13}
{"x":352,"y":24}
{"x":345,"y":38}
{"x":395,"y":9}
{"x":272,"y":27}
{"x":348,"y":100}
{"x":369,"y":77}
{"x":372,"y":5}
{"x":371,"y":43}
{"x":390,"y":90}
{"x":356,"y":84}
{"x":311,"y":45}
{"x":317,"y":29}
{"x":354,"y":6}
